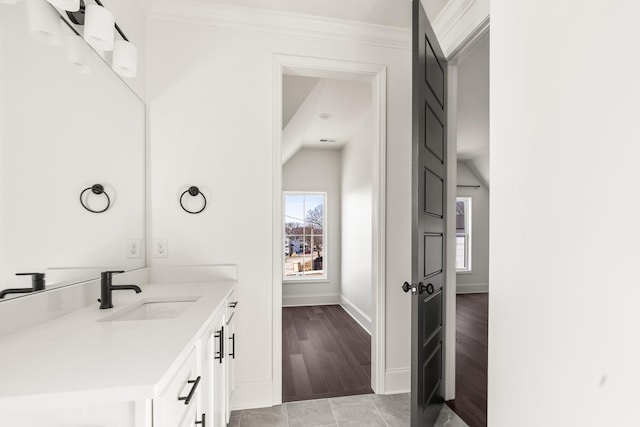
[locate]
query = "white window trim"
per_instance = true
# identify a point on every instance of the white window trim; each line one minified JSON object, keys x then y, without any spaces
{"x":325,"y":260}
{"x":468,"y":219}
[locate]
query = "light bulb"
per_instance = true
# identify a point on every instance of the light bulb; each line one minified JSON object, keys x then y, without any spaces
{"x":99,"y":27}
{"x":125,"y":58}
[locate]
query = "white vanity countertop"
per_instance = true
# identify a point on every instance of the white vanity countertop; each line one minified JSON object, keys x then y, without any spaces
{"x":76,"y":358}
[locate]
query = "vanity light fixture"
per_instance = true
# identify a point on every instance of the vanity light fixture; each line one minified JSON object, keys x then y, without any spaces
{"x":69,"y":5}
{"x":43,"y":22}
{"x":99,"y":26}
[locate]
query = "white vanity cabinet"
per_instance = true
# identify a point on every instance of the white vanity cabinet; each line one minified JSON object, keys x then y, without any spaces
{"x":218,"y":357}
{"x":212,"y":362}
{"x":175,"y":372}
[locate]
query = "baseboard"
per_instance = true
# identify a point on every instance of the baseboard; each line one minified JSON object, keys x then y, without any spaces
{"x":251,"y":394}
{"x":397,"y":380}
{"x":357,"y":314}
{"x":472,"y":288}
{"x":301,"y":300}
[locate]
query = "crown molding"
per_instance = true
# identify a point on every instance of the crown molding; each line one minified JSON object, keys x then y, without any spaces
{"x":459,"y":21}
{"x":201,"y":12}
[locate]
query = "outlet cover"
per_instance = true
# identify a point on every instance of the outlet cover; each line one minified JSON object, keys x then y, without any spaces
{"x":134,"y":249}
{"x":161,"y":248}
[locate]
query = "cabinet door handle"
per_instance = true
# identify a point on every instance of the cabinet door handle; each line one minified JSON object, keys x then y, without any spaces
{"x":202,"y":421}
{"x":187,"y":398}
{"x":233,"y":345}
{"x":233,"y":304}
{"x":220,"y":335}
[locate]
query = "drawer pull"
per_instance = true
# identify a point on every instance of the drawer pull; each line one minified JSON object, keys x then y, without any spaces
{"x":202,"y":421}
{"x":188,"y":398}
{"x":232,"y":338}
{"x":220,"y":335}
{"x":233,"y":304}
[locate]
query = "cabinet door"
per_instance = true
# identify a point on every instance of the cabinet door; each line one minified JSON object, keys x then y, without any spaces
{"x":189,"y":419}
{"x":219,"y":380}
{"x":214,"y":368}
{"x":181,"y":396}
{"x":230,"y":330}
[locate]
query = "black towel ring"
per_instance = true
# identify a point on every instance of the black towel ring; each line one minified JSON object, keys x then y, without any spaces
{"x":95,"y":189}
{"x":193,"y":191}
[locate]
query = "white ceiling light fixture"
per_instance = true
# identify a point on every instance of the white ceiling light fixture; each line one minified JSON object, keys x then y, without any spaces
{"x":46,"y":24}
{"x":99,"y":27}
{"x":69,"y":5}
{"x":43,"y":22}
{"x":125,"y":58}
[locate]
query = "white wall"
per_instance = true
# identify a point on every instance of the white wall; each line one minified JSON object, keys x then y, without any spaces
{"x":317,"y":170}
{"x":210,"y":102}
{"x":563,"y":306}
{"x":357,"y":205}
{"x":478,"y":279}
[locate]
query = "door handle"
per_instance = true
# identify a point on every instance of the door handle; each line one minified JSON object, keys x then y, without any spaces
{"x":407,"y":287}
{"x":422,"y":288}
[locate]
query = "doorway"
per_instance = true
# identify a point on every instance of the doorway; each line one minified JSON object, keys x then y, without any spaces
{"x":315,"y":243}
{"x":469,"y":117}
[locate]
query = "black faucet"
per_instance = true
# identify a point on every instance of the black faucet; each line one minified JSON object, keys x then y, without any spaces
{"x":37,"y":284}
{"x":106,"y":287}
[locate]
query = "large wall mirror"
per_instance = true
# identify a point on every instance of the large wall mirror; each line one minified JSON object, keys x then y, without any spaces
{"x":63,"y":129}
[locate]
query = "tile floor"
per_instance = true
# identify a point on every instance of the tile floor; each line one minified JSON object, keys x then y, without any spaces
{"x":369,"y":410}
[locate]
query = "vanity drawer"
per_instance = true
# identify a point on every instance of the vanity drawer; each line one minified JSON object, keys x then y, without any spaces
{"x":180,"y":396}
{"x":232,"y":303}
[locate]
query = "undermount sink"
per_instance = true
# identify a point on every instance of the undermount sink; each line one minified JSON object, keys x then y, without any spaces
{"x":153,"y":309}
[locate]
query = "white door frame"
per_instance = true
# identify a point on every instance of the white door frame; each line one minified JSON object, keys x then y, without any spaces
{"x":331,"y":68}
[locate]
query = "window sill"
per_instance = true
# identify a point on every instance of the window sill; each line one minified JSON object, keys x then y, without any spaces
{"x":464,"y":272}
{"x":303,"y":281}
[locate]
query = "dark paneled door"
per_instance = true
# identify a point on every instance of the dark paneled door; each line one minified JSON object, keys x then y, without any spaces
{"x":428,"y":223}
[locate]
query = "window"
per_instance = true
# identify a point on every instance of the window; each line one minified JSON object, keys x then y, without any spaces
{"x":304,"y":236}
{"x":463,"y":234}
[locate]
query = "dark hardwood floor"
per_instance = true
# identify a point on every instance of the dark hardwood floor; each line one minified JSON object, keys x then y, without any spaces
{"x":325,"y":353}
{"x":471,"y":359}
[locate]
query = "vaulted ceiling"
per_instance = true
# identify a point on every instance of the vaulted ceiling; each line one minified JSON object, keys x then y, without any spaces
{"x":322,"y":113}
{"x":473,"y":109}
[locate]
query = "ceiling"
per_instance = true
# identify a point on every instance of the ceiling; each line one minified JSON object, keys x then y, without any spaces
{"x":306,"y":99}
{"x":394,"y":13}
{"x":473,"y":109}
